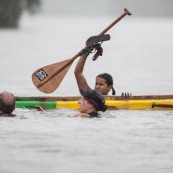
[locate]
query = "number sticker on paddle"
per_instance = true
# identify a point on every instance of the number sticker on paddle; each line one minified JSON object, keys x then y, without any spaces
{"x":48,"y":78}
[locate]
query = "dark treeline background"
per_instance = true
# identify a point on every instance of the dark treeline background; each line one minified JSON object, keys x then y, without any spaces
{"x":11,"y":11}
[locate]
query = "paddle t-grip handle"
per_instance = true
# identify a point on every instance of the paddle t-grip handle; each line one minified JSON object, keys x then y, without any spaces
{"x":116,"y":21}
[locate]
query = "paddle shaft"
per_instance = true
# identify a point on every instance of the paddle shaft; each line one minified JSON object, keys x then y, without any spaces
{"x":75,"y":56}
{"x":162,"y":105}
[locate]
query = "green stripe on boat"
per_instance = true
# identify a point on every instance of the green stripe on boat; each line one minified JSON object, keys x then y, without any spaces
{"x":33,"y":104}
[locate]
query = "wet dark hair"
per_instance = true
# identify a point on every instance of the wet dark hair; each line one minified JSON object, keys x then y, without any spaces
{"x":95,"y":98}
{"x":109,"y":80}
{"x":6,"y":108}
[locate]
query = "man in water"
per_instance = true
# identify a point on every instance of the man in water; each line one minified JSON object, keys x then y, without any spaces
{"x":91,"y":102}
{"x":7,"y":103}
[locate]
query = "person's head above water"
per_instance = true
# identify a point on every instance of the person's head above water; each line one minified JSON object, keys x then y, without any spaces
{"x":104,"y":83}
{"x":7,"y":103}
{"x":95,"y":98}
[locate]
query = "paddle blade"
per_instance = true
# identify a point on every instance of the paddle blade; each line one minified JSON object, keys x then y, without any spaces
{"x":51,"y":85}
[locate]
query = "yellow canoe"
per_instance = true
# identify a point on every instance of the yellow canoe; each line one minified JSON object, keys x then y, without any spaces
{"x":159,"y":102}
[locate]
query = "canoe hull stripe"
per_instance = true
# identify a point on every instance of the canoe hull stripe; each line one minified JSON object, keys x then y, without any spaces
{"x":112,"y":104}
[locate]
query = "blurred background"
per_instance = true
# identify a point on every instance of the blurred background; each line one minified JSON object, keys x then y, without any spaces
{"x":154,"y":8}
{"x":36,"y":33}
{"x":11,"y":11}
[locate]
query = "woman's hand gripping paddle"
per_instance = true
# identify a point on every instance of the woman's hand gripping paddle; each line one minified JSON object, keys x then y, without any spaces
{"x":48,"y":78}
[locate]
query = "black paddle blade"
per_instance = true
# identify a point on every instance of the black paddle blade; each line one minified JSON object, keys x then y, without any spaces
{"x":43,"y":73}
{"x":97,"y":39}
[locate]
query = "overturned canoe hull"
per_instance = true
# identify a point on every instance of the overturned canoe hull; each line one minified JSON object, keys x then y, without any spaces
{"x":159,"y":102}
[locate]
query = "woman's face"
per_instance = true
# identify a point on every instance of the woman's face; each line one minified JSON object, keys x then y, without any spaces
{"x":102,"y":86}
{"x":84,"y":105}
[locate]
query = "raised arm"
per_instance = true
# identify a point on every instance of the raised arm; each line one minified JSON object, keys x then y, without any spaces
{"x":80,"y":78}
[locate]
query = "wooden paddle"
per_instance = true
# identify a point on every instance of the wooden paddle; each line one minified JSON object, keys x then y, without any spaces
{"x":48,"y":78}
